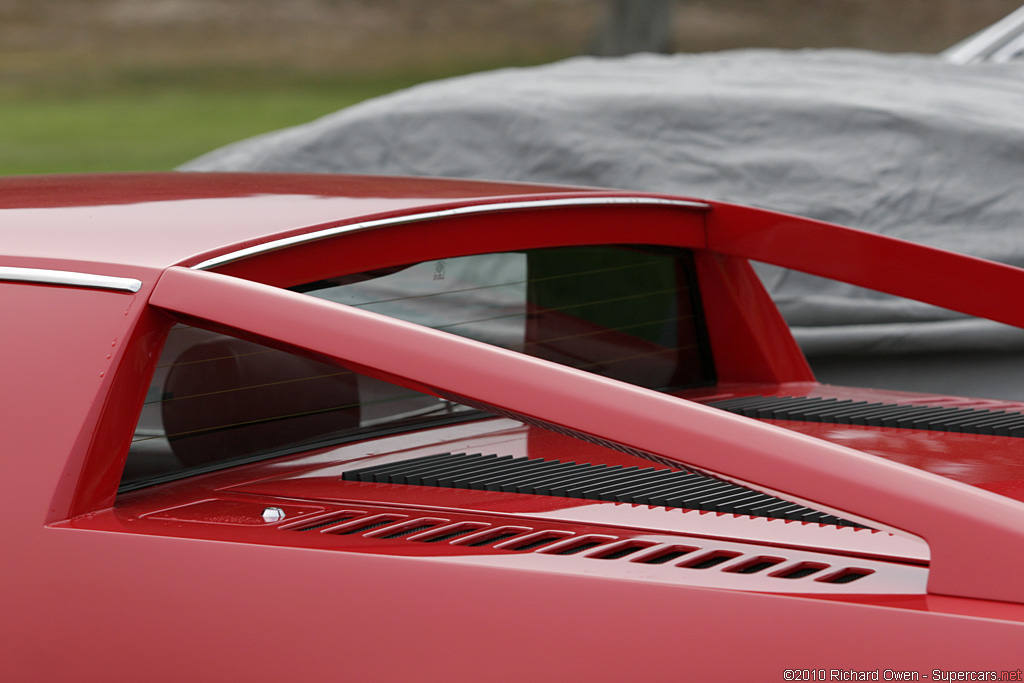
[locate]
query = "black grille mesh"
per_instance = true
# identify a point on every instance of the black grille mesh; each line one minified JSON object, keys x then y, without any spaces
{"x":835,"y":411}
{"x":636,"y":485}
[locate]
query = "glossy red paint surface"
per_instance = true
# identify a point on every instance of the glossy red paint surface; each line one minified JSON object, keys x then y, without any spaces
{"x":318,"y":476}
{"x":951,"y":517}
{"x":868,"y":260}
{"x":739,"y":309}
{"x":978,"y":459}
{"x":157,"y":220}
{"x":188,"y":579}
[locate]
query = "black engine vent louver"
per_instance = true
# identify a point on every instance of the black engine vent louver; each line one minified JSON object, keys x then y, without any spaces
{"x":639,"y":486}
{"x":864,"y":413}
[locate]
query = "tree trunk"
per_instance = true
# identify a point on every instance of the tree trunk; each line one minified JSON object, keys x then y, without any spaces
{"x":635,"y":26}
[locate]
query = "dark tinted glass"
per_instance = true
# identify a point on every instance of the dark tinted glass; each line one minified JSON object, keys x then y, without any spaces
{"x":628,"y":313}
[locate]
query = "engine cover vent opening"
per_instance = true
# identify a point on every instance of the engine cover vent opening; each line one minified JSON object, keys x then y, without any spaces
{"x":535,"y":541}
{"x":755,"y":565}
{"x":847,"y":575}
{"x":618,"y":551}
{"x":580,"y":545}
{"x":871,"y":414}
{"x":408,"y":529}
{"x":478,"y":536}
{"x":666,"y":555}
{"x":492,"y":537}
{"x":363,"y":525}
{"x":799,"y":570}
{"x":654,"y":486}
{"x":323,"y":522}
{"x":449,"y":533}
{"x":709,"y":560}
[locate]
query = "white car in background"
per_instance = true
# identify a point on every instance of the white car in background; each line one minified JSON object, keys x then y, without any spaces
{"x":1000,"y":42}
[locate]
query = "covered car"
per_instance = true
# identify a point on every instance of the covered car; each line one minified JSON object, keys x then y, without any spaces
{"x":910,"y":146}
{"x":287,"y":427}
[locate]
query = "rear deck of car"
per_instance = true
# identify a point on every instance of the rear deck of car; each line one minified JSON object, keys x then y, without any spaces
{"x":490,"y":478}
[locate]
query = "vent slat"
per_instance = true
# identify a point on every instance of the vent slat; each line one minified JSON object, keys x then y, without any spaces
{"x":553,"y":471}
{"x":452,"y":533}
{"x":800,"y":570}
{"x":758,"y":564}
{"x":328,"y":522}
{"x":672,"y":486}
{"x":468,"y":472}
{"x":430,"y":460}
{"x":965,"y":423}
{"x":847,"y":576}
{"x":868,"y":414}
{"x":580,"y":474}
{"x":930,"y":416}
{"x":408,"y":531}
{"x":665,"y":556}
{"x":369,"y":525}
{"x":403,"y":476}
{"x":488,"y":479}
{"x":455,"y":465}
{"x":776,"y":508}
{"x":621,"y":551}
{"x":698,"y":493}
{"x":709,"y":561}
{"x":634,"y":491}
{"x":828,"y":413}
{"x":491,"y":540}
{"x":578,"y":548}
{"x":576,"y":488}
{"x":535,"y":542}
{"x":630,"y":479}
{"x":536,"y":476}
{"x":612,"y":475}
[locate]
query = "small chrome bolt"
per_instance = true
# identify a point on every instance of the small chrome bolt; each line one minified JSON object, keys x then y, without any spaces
{"x":271,"y":515}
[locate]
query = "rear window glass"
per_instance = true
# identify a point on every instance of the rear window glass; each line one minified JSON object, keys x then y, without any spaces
{"x":629,"y":313}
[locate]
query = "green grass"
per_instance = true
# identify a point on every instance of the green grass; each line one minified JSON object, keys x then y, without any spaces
{"x":156,"y":119}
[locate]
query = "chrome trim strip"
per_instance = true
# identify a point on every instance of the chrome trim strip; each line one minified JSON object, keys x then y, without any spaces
{"x":69,"y":278}
{"x":274,"y":245}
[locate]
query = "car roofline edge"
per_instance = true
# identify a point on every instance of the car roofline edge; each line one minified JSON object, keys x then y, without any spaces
{"x":470,"y":210}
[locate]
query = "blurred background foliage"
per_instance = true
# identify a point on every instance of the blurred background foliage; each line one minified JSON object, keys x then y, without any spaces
{"x":121,"y":85}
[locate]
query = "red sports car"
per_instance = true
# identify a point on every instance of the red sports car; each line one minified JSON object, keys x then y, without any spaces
{"x":290,"y":428}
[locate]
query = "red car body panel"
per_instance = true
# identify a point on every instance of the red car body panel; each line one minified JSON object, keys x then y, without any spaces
{"x":970,"y":532}
{"x":189,"y":578}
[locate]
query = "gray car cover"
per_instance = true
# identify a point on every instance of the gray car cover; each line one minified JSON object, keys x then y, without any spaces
{"x":904,"y":145}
